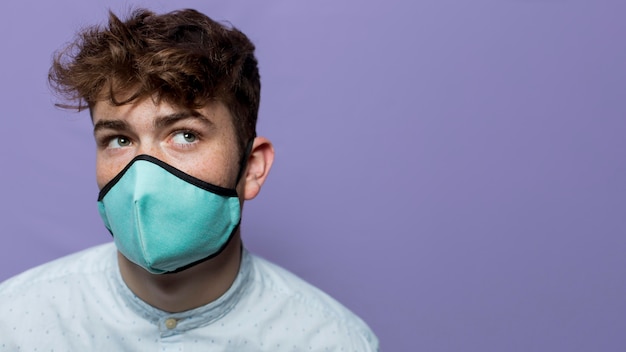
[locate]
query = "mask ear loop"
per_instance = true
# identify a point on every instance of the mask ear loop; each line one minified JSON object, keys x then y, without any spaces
{"x":243,"y":163}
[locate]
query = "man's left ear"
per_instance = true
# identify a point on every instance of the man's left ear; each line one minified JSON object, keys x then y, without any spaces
{"x":258,"y":167}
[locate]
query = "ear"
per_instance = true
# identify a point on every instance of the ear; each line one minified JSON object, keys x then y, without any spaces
{"x":258,"y":167}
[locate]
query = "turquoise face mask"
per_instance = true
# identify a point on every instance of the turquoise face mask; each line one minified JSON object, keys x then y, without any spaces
{"x":165,"y":220}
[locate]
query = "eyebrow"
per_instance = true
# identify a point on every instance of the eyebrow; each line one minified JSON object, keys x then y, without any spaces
{"x":159,"y":122}
{"x":170,"y":119}
{"x":118,"y":125}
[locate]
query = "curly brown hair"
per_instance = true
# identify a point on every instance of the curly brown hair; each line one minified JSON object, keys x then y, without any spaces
{"x":182,"y":57}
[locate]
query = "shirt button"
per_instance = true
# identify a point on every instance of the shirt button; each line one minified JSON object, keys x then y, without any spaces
{"x":171,"y":323}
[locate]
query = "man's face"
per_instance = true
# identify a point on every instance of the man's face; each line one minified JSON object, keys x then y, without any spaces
{"x":201,"y":142}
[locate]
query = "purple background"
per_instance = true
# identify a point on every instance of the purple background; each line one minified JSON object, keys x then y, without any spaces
{"x":452,"y":171}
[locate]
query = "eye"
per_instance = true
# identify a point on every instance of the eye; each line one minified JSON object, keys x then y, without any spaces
{"x":119,"y":142}
{"x":185,"y":137}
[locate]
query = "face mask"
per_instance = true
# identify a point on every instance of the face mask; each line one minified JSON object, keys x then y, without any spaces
{"x":165,"y":220}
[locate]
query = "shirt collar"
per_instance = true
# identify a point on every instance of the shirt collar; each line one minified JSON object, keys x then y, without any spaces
{"x":176,"y":323}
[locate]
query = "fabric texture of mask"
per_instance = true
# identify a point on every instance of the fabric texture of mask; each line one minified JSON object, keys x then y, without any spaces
{"x":165,"y":220}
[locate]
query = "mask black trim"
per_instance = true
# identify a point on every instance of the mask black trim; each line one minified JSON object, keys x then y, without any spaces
{"x":227,"y":192}
{"x":219,"y":251}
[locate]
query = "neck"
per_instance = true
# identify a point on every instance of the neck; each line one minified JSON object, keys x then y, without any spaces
{"x":191,"y":288}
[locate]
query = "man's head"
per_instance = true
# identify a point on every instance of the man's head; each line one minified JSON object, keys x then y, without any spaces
{"x":129,"y":73}
{"x":183,"y":58}
{"x":174,"y":101}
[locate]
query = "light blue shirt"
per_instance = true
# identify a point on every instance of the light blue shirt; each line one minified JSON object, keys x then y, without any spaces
{"x":80,"y":303}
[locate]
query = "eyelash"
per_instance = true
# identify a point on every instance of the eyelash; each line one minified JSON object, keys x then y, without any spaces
{"x":105,"y":141}
{"x":196,"y":134}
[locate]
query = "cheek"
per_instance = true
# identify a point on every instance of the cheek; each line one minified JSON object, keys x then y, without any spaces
{"x":218,"y":167}
{"x":214,"y":170}
{"x":101,"y":177}
{"x":105,"y":172}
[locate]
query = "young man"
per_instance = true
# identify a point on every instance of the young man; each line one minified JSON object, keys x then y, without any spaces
{"x":174,"y":101}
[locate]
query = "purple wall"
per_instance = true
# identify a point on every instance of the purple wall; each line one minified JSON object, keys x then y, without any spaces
{"x":453,"y":171}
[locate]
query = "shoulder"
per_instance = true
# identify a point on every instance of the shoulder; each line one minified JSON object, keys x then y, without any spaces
{"x":63,"y":274}
{"x":55,"y":297}
{"x":278,"y":280}
{"x":92,"y":260}
{"x":308,"y":310}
